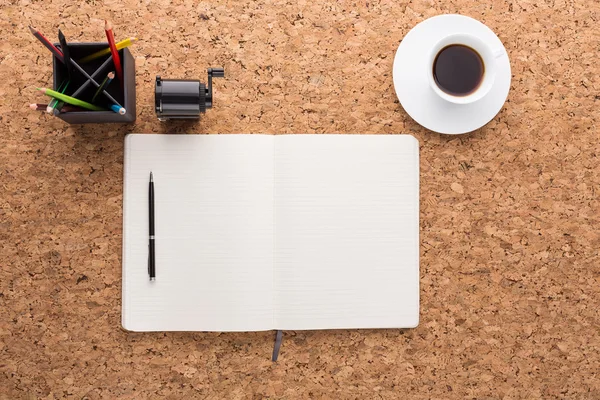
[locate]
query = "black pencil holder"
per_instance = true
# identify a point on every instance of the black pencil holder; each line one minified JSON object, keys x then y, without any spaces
{"x":83,"y":89}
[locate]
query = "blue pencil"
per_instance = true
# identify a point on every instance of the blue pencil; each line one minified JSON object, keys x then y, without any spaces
{"x":118,"y":109}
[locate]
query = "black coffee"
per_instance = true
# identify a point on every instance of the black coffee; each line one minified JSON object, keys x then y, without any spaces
{"x":458,"y":70}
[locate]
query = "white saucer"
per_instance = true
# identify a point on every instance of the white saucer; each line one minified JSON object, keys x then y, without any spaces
{"x":412,"y":86}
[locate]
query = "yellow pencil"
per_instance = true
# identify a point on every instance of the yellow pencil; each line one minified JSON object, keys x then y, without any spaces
{"x":120,"y":45}
{"x":70,"y":100}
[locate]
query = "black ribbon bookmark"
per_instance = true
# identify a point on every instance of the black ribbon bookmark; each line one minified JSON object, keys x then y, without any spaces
{"x":278,"y":338}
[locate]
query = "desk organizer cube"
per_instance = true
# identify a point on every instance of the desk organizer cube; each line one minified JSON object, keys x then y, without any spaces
{"x":84,"y":90}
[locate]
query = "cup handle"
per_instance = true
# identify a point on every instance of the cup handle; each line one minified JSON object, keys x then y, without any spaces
{"x":499,"y":53}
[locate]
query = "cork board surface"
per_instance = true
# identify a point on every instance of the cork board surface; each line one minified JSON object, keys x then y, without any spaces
{"x":510,"y":271}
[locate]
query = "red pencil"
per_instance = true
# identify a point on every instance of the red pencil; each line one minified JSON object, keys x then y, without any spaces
{"x":57,"y":53}
{"x":113,"y":49}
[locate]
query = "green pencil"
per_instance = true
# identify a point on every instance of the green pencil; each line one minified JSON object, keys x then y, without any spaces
{"x":54,"y":103}
{"x":70,"y":100}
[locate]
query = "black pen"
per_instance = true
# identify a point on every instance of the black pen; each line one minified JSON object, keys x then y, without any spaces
{"x":151,"y":257}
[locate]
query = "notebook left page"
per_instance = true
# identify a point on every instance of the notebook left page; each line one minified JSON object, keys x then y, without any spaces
{"x":214,"y":233}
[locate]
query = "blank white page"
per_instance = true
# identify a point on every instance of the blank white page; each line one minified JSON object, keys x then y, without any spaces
{"x":214,"y":233}
{"x":347,"y":231}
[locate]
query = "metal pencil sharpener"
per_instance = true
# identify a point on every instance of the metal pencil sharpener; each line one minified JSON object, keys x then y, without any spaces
{"x":184,"y":99}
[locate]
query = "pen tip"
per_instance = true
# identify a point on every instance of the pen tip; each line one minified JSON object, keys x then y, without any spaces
{"x":32,"y":29}
{"x":151,"y":180}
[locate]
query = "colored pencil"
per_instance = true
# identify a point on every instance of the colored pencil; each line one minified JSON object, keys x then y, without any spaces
{"x":70,"y":100}
{"x":104,"y":84}
{"x":38,"y":107}
{"x":113,"y":49}
{"x":69,"y":108}
{"x":118,"y":109}
{"x":57,"y":53}
{"x":66,"y":54}
{"x":89,"y":78}
{"x":56,"y":107}
{"x":66,"y":108}
{"x":55,"y":103}
{"x":120,"y":45}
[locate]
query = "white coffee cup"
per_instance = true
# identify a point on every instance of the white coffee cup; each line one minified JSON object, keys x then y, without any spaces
{"x":488,"y":55}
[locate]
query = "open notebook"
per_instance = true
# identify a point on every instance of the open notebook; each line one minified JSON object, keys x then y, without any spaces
{"x":261,"y":232}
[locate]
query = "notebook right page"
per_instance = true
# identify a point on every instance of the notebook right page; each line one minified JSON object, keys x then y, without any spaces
{"x":346,"y":231}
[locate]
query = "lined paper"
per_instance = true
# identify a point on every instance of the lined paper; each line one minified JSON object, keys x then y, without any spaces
{"x":347,"y":231}
{"x":214,"y":233}
{"x":260,"y":232}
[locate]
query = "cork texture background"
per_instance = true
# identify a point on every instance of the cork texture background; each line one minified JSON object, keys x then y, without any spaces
{"x":510,"y":216}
